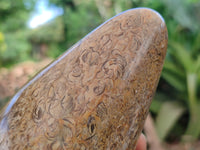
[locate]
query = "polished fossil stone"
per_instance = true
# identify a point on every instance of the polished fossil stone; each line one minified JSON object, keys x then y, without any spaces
{"x":96,"y":96}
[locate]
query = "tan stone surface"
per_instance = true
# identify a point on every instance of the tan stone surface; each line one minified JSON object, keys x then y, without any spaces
{"x":96,"y":95}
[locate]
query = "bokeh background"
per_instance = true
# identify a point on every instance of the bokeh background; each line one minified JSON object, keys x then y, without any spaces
{"x":35,"y":32}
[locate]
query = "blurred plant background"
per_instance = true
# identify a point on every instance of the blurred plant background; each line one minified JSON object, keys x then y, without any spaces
{"x":176,"y":106}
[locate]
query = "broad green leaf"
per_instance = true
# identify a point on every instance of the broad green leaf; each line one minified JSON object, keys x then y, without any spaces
{"x":182,"y":56}
{"x":172,"y":67}
{"x":169,"y":113}
{"x":192,"y":89}
{"x":193,"y":130}
{"x":174,"y":81}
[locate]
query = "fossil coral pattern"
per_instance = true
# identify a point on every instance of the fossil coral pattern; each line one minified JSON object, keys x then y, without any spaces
{"x":95,"y":96}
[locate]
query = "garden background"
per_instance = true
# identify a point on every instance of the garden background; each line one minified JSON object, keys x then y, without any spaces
{"x":175,"y":111}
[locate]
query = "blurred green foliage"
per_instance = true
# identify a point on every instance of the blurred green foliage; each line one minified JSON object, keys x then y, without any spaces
{"x":14,"y":46}
{"x":179,"y":90}
{"x":2,"y":43}
{"x":182,"y":65}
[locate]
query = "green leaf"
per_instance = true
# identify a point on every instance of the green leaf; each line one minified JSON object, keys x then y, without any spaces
{"x":174,"y":81}
{"x":170,"y":66}
{"x":169,"y":113}
{"x":192,"y":89}
{"x":182,"y":56}
{"x":193,"y":130}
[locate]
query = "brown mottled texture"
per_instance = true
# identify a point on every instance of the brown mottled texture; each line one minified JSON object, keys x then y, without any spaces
{"x":97,"y":95}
